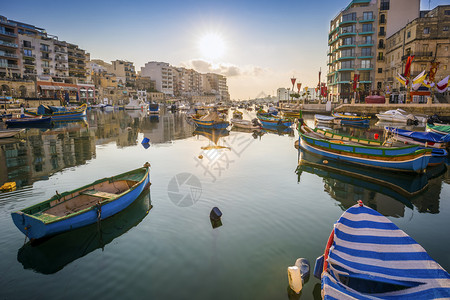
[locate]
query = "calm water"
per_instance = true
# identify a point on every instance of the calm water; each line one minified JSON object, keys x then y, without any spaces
{"x":164,"y":245}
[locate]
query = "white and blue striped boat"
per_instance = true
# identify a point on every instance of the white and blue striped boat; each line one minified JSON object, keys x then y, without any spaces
{"x":369,"y":257}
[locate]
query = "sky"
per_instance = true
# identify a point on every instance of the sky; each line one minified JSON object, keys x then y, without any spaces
{"x":258,"y":45}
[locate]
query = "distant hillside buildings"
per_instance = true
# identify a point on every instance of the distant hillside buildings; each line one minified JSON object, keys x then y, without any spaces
{"x":373,"y":38}
{"x":34,"y":64}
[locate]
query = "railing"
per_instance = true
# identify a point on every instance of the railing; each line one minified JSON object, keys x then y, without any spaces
{"x":46,"y":66}
{"x":8,"y":33}
{"x":382,"y":33}
{"x":46,"y":50}
{"x":46,"y":57}
{"x":27,"y":47}
{"x":8,"y":23}
{"x":365,"y":79}
{"x":380,"y":58}
{"x":381,"y":46}
{"x":366,"y":66}
{"x":8,"y":44}
{"x":418,"y":54}
{"x":61,"y":59}
{"x":11,"y":66}
{"x":29,"y":63}
{"x":5,"y":54}
{"x":60,"y":51}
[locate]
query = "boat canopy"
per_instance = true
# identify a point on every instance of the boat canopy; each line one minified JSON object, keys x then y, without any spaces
{"x":211,"y":116}
{"x":421,"y":136}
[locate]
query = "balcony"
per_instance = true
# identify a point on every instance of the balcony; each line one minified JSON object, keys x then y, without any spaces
{"x":381,"y":58}
{"x":9,"y":66}
{"x":382,"y":33}
{"x":10,"y":55}
{"x":418,"y":55}
{"x":365,"y":80}
{"x":62,"y":68}
{"x":46,"y":58}
{"x":46,"y":66}
{"x":381,"y":46}
{"x":351,"y":45}
{"x":347,"y":57}
{"x":366,"y":67}
{"x":365,"y":44}
{"x":60,"y":51}
{"x":46,"y":50}
{"x":8,"y":23}
{"x":27,"y":47}
{"x":8,"y":44}
{"x":346,"y":33}
{"x":61,"y":59}
{"x":366,"y":32}
{"x":345,"y":69}
{"x":362,"y":20}
{"x":28,"y":63}
{"x":352,"y":21}
{"x":8,"y":34}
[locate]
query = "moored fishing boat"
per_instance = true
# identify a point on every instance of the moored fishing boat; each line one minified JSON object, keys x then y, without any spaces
{"x":425,"y":139}
{"x":153,"y":108}
{"x":211,"y":120}
{"x":439,"y":128}
{"x":399,"y":115}
{"x":58,"y":114}
{"x":268,"y":120}
{"x":369,"y":257}
{"x":83,"y":206}
{"x":246,"y":124}
{"x":407,"y":158}
{"x":29,"y":122}
{"x":350,"y":119}
{"x":322,"y":119}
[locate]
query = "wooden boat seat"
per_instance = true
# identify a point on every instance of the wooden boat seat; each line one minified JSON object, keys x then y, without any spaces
{"x":99,"y":194}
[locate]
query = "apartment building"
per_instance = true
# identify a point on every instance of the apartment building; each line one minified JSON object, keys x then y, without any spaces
{"x":125,"y":71}
{"x":162,"y":73}
{"x":356,"y":43}
{"x":186,"y":82}
{"x":9,"y":49}
{"x":215,"y":84}
{"x":428,"y":39}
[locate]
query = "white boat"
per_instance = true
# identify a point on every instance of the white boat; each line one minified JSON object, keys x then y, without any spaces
{"x":136,"y":104}
{"x":399,"y":115}
{"x":322,"y":119}
{"x":246,"y":124}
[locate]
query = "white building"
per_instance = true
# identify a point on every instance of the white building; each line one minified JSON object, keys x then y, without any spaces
{"x":162,"y":74}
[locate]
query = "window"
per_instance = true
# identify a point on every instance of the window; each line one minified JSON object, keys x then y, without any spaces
{"x":447,"y":12}
{"x":347,"y":53}
{"x":366,"y":51}
{"x":384,"y":5}
{"x":349,"y":17}
{"x":365,"y":63}
{"x":408,"y":35}
{"x":345,"y":76}
{"x":381,"y":44}
{"x":380,"y":56}
{"x":382,"y":32}
{"x":426,"y":30}
{"x":380,"y":70}
{"x":445,"y":28}
{"x":368,"y":15}
{"x":347,"y":29}
{"x":382,"y":19}
{"x":378,"y":85}
{"x":444,"y":67}
{"x":348,"y":41}
{"x":367,"y":27}
{"x":368,"y":39}
{"x":27,"y":52}
{"x":347,"y":64}
{"x":44,"y":47}
{"x":27,"y":44}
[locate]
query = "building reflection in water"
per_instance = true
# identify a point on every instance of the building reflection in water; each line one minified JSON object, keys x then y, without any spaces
{"x":42,"y":152}
{"x":387,"y":192}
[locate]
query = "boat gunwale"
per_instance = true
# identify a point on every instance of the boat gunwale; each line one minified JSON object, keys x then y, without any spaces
{"x":103,"y":202}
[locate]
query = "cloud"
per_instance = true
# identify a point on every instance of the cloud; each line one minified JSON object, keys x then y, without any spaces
{"x":225,"y":69}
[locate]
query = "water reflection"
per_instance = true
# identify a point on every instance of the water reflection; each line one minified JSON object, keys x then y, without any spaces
{"x":52,"y":255}
{"x":41,"y":152}
{"x":349,"y":183}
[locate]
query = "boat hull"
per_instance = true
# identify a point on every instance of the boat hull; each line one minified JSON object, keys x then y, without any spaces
{"x":211,"y":124}
{"x":28,"y":122}
{"x":401,"y":159}
{"x":62,"y":115}
{"x":35,"y":228}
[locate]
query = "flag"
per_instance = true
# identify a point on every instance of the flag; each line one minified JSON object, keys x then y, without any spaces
{"x":433,"y":70}
{"x":320,"y":72}
{"x":419,"y":78}
{"x":355,"y":81}
{"x":402,"y":79}
{"x":428,"y":83}
{"x":299,"y":85}
{"x":408,"y":66}
{"x":442,"y":85}
{"x":293,"y":82}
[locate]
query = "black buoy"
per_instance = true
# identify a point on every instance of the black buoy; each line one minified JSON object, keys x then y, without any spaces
{"x":215,"y":214}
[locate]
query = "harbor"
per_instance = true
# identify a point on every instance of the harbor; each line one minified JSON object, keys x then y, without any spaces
{"x":281,"y":211}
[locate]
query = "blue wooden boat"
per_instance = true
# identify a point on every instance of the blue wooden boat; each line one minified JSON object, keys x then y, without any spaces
{"x":269,"y":120}
{"x":153,"y":108}
{"x":83,"y":206}
{"x":58,"y":114}
{"x":211,"y":120}
{"x":52,"y":255}
{"x":369,"y":257}
{"x":408,"y":158}
{"x":29,"y":122}
{"x":350,"y":119}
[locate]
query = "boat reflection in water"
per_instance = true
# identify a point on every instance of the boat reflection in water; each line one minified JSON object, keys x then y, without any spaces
{"x":279,"y":130}
{"x":347,"y":183}
{"x":52,"y":255}
{"x":213,"y":135}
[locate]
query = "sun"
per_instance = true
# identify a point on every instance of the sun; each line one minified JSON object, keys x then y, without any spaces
{"x":212,"y":46}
